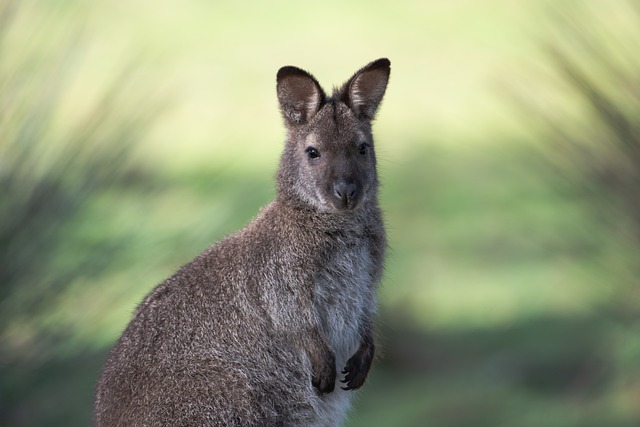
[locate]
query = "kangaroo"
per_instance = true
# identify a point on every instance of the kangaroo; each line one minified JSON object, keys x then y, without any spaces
{"x":257,"y":329}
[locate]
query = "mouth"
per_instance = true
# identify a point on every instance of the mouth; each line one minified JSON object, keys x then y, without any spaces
{"x":327,"y":203}
{"x":345,"y":204}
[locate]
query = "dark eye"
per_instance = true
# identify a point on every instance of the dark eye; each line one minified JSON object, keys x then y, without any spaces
{"x":312,"y":153}
{"x":363,"y":148}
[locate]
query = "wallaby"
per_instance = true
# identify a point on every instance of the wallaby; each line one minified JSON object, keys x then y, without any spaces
{"x":257,"y":329}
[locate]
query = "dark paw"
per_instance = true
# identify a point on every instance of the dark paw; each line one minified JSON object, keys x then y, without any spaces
{"x":357,"y":369}
{"x":324,"y":377}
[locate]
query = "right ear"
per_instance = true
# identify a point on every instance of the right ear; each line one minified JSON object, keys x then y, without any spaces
{"x":299,"y":94}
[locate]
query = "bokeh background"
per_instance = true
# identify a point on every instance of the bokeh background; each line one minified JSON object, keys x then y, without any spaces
{"x":135,"y":133}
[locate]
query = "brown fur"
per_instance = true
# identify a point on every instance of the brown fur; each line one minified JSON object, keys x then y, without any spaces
{"x":254,"y":330}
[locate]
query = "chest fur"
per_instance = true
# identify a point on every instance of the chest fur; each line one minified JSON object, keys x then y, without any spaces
{"x":345,"y":295}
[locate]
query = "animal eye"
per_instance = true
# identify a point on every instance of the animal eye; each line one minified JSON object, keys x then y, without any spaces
{"x":312,"y":153}
{"x":363,"y":148}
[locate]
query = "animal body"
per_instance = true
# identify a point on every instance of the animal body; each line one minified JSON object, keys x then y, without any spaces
{"x":272,"y":326}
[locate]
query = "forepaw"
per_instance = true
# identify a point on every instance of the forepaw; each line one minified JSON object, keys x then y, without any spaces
{"x":324,"y":376}
{"x":357,"y":369}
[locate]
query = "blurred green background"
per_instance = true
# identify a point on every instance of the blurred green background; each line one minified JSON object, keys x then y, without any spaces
{"x":133,"y":134}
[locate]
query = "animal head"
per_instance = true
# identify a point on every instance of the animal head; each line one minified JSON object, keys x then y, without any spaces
{"x":329,"y":160}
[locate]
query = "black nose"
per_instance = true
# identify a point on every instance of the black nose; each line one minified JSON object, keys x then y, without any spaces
{"x":345,"y":191}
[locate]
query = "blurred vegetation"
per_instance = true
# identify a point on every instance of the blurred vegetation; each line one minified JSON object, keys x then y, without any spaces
{"x":599,"y":65}
{"x":52,"y":233}
{"x":131,"y":138}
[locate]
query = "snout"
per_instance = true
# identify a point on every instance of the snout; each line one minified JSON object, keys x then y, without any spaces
{"x":345,"y":194}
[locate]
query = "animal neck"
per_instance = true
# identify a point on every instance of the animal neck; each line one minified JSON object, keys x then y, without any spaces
{"x":310,"y":218}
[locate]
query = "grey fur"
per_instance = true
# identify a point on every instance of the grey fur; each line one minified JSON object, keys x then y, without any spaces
{"x":252,"y":330}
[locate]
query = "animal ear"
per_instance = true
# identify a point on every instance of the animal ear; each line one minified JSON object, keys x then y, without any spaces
{"x":299,"y":94}
{"x":364,"y":91}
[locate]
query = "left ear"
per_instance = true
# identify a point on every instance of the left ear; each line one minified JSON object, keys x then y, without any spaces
{"x":364,"y":91}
